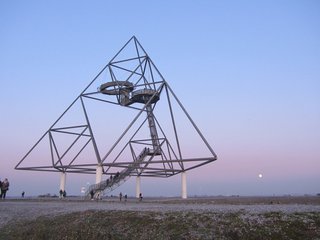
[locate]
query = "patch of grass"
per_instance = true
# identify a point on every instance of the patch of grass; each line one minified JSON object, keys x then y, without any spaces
{"x":166,"y":225}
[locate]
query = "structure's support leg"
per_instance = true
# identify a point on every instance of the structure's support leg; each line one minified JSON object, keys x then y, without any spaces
{"x":138,"y":186}
{"x":98,"y":174}
{"x":184,"y":185}
{"x":62,"y":183}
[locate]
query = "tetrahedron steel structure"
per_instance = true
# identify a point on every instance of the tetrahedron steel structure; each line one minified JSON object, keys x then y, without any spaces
{"x":144,"y":139}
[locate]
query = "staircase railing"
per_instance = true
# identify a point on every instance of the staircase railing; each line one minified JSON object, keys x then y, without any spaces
{"x":119,"y":178}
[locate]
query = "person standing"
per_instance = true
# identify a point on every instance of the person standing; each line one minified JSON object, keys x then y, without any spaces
{"x":120,"y":196}
{"x":4,"y":188}
{"x":61,"y":194}
{"x":91,"y":194}
{"x":140,"y":197}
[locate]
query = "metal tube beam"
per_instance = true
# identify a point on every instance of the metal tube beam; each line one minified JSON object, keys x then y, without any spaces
{"x":91,"y":133}
{"x":192,"y":122}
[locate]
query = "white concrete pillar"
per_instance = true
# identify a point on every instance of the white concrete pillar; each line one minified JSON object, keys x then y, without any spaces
{"x":138,"y":186}
{"x":98,"y":174}
{"x":63,"y":181}
{"x":184,"y":185}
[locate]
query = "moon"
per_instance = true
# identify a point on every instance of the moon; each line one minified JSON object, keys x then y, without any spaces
{"x":260,"y":175}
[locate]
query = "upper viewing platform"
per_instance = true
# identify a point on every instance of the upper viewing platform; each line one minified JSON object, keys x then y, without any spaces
{"x":124,"y":89}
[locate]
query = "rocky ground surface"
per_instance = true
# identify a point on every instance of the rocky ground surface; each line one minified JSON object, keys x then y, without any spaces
{"x":20,"y":209}
{"x":210,"y":216}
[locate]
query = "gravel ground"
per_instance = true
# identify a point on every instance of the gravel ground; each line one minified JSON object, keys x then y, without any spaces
{"x":29,"y":209}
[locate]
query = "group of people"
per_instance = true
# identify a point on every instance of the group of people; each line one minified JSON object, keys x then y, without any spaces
{"x":113,"y":178}
{"x":4,"y":186}
{"x":125,"y":197}
{"x":62,"y":193}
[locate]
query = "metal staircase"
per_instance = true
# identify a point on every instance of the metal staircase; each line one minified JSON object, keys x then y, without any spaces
{"x":119,"y":178}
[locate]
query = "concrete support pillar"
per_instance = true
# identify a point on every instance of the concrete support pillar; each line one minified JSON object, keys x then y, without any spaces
{"x":98,"y":174}
{"x":63,"y":181}
{"x":184,"y":185}
{"x":138,"y":186}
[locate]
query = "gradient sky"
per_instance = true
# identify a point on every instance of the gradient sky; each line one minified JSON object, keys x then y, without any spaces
{"x":247,"y":72}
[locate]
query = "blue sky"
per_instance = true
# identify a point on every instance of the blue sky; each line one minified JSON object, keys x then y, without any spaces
{"x":247,"y":72}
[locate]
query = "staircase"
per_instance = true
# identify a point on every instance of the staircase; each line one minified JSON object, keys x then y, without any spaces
{"x":119,"y":178}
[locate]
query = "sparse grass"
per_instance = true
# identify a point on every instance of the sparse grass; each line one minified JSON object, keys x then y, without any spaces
{"x":167,"y":225}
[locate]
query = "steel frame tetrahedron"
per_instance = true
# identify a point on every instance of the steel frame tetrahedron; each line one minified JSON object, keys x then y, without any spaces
{"x":132,"y":81}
